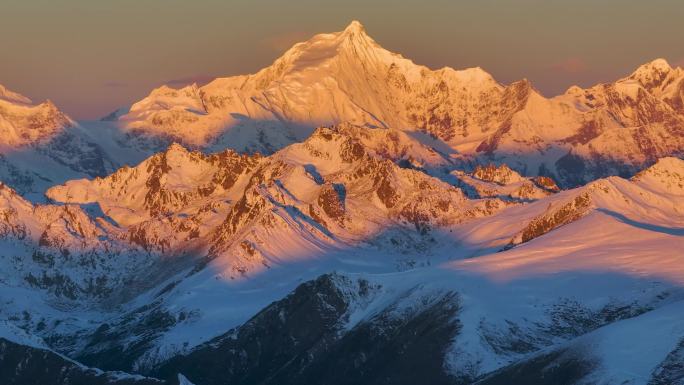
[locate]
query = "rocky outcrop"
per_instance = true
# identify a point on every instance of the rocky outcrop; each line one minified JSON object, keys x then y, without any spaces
{"x":553,"y":218}
{"x":546,"y":183}
{"x":501,"y":174}
{"x":502,"y":182}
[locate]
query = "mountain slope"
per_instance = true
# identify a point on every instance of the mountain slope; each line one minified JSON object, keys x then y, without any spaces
{"x":551,"y":310}
{"x":548,"y":267}
{"x":216,"y":238}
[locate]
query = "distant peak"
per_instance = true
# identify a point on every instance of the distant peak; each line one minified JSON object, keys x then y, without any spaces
{"x":355,"y":27}
{"x":652,"y":74}
{"x":658,"y":65}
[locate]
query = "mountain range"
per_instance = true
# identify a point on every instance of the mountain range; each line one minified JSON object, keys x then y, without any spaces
{"x":346,"y":216}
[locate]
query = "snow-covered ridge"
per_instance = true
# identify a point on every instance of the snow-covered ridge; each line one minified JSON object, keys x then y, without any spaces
{"x":661,"y":184}
{"x":341,"y":186}
{"x":667,"y":175}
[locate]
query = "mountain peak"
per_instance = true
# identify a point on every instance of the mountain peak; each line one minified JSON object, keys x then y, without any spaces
{"x":652,"y":73}
{"x":355,"y":28}
{"x":658,"y":64}
{"x":355,"y":36}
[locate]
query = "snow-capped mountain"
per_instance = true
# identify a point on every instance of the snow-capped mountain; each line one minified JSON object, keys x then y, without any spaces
{"x":346,"y":216}
{"x":608,"y":129}
{"x":41,"y":146}
{"x":24,"y":123}
{"x":465,"y":116}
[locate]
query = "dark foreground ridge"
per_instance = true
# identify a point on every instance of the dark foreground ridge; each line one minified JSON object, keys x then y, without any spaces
{"x":26,"y":365}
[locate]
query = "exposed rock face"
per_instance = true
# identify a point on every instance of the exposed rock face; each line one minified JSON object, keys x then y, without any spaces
{"x":62,"y":250}
{"x":501,"y":174}
{"x":503,"y":182}
{"x":546,"y":183}
{"x":338,"y":167}
{"x":459,"y":118}
{"x":554,"y":218}
{"x":164,"y":183}
{"x":331,"y":200}
{"x":120,"y":343}
{"x":23,"y":123}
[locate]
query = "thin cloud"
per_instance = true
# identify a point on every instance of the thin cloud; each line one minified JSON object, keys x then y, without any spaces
{"x":570,"y":65}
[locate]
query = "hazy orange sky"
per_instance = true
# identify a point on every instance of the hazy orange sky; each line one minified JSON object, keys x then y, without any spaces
{"x":92,"y":56}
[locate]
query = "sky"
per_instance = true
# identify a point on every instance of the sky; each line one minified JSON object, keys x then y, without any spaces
{"x":93,"y":56}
